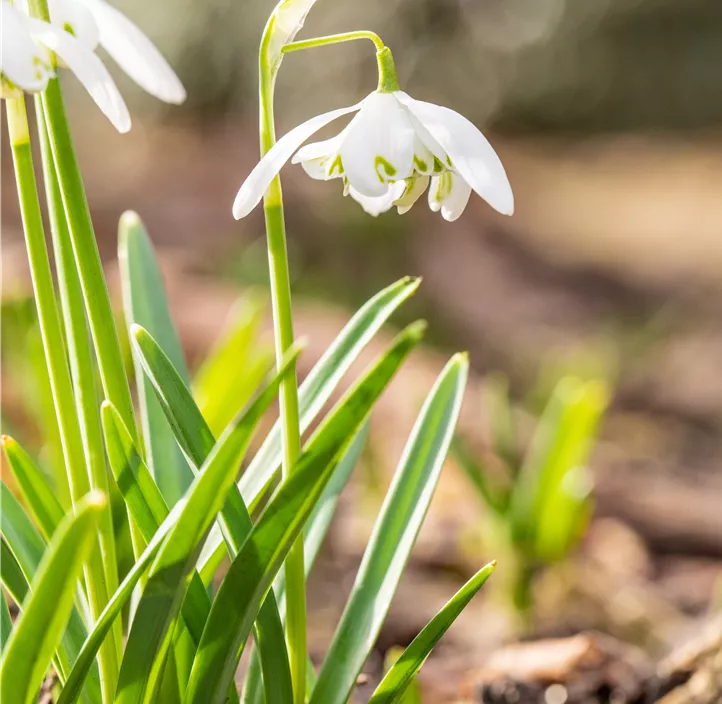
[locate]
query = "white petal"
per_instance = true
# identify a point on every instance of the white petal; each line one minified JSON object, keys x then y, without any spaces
{"x":321,"y":160}
{"x":415,"y":186}
{"x":378,"y":146}
{"x":266,"y":169}
{"x":449,"y":193}
{"x":375,"y":205}
{"x":75,"y":19}
{"x":471,"y":154}
{"x":88,"y":69}
{"x":22,"y":62}
{"x":135,"y":53}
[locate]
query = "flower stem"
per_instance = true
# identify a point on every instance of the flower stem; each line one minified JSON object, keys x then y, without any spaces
{"x":58,"y":372}
{"x":82,"y":367}
{"x":388,"y":82}
{"x":283,"y":333}
{"x":334,"y":39}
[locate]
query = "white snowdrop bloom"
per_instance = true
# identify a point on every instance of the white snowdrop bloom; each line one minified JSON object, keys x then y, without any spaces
{"x":95,"y":22}
{"x":387,"y":156}
{"x":27,"y":65}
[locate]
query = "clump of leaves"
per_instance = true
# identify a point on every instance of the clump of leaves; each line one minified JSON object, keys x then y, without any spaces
{"x":178,"y":483}
{"x":540,"y":500}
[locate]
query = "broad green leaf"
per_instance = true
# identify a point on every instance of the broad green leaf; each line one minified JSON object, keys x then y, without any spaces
{"x":402,"y":672}
{"x":252,"y":572}
{"x":393,"y":536}
{"x":45,"y":612}
{"x":145,"y":304}
{"x":22,"y":552}
{"x":314,"y":534}
{"x":315,"y":392}
{"x":34,"y":486}
{"x":170,"y":573}
{"x":235,"y":366}
{"x":197,"y":441}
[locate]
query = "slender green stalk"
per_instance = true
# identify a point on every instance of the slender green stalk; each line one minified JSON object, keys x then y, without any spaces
{"x":283,"y":333}
{"x":82,"y":366}
{"x":58,"y":372}
{"x":87,"y":258}
{"x":334,"y":39}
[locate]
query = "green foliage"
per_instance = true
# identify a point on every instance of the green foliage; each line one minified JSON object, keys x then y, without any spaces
{"x":177,"y":479}
{"x":544,"y":500}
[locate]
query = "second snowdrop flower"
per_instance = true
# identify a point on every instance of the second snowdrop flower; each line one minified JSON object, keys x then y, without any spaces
{"x":389,"y":153}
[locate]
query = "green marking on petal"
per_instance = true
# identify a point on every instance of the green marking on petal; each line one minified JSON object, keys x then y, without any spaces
{"x":69,"y":28}
{"x":438,"y":166}
{"x":382,"y":164}
{"x":336,"y":166}
{"x":420,"y":164}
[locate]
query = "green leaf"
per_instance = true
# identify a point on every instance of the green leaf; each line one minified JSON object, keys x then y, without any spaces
{"x":402,"y":672}
{"x":151,"y":633}
{"x":45,"y":612}
{"x":22,"y":552}
{"x":393,"y":536}
{"x":148,"y":508}
{"x":34,"y":486}
{"x":102,"y":626}
{"x":318,"y":387}
{"x":6,"y":622}
{"x":196,"y":438}
{"x":145,"y":304}
{"x":235,"y":366}
{"x":315,"y":392}
{"x":315,"y":532}
{"x":252,"y":572}
{"x":561,"y":443}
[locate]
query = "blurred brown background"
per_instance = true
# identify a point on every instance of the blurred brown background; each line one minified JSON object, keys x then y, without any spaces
{"x":607,"y":116}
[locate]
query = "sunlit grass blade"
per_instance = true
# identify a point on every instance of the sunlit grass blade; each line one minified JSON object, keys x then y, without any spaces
{"x":36,"y":490}
{"x":234,"y":367}
{"x":170,"y":572}
{"x":145,"y":304}
{"x":402,"y":672}
{"x":45,"y":612}
{"x":318,"y":387}
{"x":252,"y":572}
{"x":393,"y":536}
{"x":315,"y":532}
{"x":197,"y":441}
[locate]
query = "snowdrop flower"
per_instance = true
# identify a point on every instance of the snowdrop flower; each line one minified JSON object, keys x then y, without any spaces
{"x":392,"y":150}
{"x":95,"y":22}
{"x":27,"y":44}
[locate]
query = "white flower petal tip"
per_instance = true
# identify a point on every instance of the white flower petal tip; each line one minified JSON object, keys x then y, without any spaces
{"x":253,"y":188}
{"x":468,"y":151}
{"x":375,"y":205}
{"x":88,"y":69}
{"x":134,"y":52}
